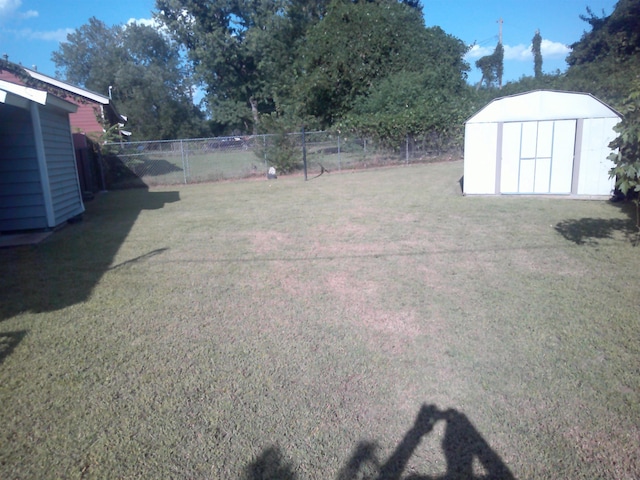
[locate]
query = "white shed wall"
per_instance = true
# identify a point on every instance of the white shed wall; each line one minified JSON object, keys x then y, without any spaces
{"x":480,"y":148}
{"x":593,"y":177}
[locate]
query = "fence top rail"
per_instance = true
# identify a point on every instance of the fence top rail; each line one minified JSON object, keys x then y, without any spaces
{"x":231,"y":138}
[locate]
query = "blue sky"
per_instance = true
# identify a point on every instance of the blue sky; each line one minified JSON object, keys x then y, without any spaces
{"x":30,"y":30}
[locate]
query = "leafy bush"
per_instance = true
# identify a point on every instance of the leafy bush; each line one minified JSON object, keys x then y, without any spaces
{"x":423,"y":104}
{"x":283,"y":153}
{"x":626,"y":159}
{"x":281,"y":149}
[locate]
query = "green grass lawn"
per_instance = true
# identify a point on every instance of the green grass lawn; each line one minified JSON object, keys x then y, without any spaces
{"x":374,"y":324}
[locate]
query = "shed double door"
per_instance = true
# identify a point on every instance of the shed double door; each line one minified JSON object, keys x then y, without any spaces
{"x":537,"y":157}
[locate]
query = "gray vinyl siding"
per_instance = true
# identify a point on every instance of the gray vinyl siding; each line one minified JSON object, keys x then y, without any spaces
{"x":21,"y":200}
{"x":61,"y":165}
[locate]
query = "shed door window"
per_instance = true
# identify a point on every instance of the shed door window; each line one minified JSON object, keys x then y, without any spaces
{"x":537,"y":157}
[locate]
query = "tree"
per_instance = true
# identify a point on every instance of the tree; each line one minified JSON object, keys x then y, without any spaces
{"x":606,"y":59}
{"x":281,"y":66}
{"x":230,"y":43}
{"x":536,"y":43}
{"x":416,"y":104}
{"x":492,"y":67}
{"x":142,"y":71}
{"x":431,"y":101}
{"x":255,"y":56}
{"x":354,"y":46}
{"x":626,"y":158}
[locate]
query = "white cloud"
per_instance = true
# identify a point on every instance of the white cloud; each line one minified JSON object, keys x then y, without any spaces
{"x":518,"y":52}
{"x":10,"y":9}
{"x":522,"y":53}
{"x":149,"y":22}
{"x":477,"y":51}
{"x":7,"y":7}
{"x":556,"y":50}
{"x":59,"y":35}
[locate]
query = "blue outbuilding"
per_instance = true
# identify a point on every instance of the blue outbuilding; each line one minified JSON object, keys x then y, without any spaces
{"x":39,"y":187}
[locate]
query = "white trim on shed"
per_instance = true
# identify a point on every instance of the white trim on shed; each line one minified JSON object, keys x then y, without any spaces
{"x":540,"y":142}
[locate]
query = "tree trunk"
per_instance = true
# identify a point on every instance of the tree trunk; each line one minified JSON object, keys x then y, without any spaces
{"x":254,"y":113}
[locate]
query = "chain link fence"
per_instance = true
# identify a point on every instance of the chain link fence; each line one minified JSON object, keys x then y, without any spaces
{"x":212,"y":159}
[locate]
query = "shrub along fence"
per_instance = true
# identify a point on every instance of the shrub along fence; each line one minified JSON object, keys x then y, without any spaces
{"x":169,"y":162}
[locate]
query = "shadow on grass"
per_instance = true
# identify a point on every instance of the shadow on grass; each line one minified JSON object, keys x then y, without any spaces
{"x":461,"y":445}
{"x":156,"y":167}
{"x":269,"y":466}
{"x":587,"y":231}
{"x":9,"y":341}
{"x":129,"y":173}
{"x":64,"y":270}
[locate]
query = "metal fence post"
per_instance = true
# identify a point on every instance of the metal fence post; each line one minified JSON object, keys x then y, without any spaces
{"x":264,"y":144}
{"x":184,"y":166}
{"x":186,"y":159}
{"x":304,"y":155}
{"x":407,"y":150}
{"x":339,"y":155}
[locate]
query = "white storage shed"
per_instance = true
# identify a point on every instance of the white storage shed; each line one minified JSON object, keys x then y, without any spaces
{"x":540,"y":142}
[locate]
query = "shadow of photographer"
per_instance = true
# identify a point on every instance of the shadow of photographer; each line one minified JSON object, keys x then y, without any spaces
{"x":461,"y":445}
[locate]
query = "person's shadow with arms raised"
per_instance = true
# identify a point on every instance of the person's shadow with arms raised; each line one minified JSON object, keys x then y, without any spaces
{"x":461,"y":444}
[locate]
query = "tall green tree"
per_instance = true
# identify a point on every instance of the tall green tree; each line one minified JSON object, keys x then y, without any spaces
{"x":261,"y":57}
{"x":626,"y":158}
{"x":606,"y":59}
{"x":536,"y":44}
{"x":141,"y":69}
{"x":429,"y":98}
{"x":237,"y":48}
{"x":492,"y":67}
{"x":354,"y":46}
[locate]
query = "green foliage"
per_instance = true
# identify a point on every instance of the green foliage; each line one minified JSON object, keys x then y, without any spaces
{"x":527,"y":83}
{"x":626,"y":159}
{"x":354,"y":46}
{"x":492,"y":67}
{"x":283,"y":153}
{"x":426,"y":103}
{"x":536,"y":44}
{"x":606,"y":60}
{"x":143,"y":68}
{"x":236,"y":47}
{"x":312,"y":61}
{"x":374,"y":68}
{"x":110,"y":135}
{"x":281,"y":149}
